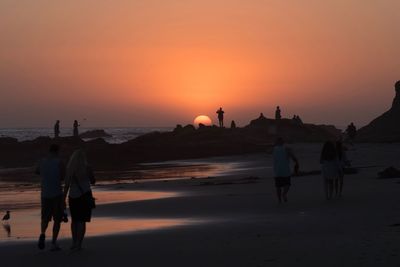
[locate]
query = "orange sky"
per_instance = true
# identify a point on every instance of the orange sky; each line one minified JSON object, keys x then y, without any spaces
{"x":158,"y":63}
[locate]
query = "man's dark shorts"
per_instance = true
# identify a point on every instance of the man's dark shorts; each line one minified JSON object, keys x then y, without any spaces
{"x":52,"y":208}
{"x":282,"y":181}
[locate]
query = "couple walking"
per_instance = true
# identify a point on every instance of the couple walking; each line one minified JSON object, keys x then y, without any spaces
{"x":333,"y":160}
{"x":78,"y":178}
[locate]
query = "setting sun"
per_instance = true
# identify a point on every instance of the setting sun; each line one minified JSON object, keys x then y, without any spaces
{"x":203,"y":119}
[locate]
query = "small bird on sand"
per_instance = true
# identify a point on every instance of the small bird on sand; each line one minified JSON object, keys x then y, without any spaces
{"x":7,"y":216}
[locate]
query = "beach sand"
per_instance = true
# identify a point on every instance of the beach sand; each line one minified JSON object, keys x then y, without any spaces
{"x":235,"y":220}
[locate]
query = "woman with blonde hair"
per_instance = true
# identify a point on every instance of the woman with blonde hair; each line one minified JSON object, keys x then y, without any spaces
{"x":78,"y":179}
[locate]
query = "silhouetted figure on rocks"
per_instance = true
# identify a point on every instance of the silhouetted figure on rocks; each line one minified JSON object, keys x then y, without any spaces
{"x":351,"y":132}
{"x":278,"y":114}
{"x":220,"y":113}
{"x":57,"y":129}
{"x":282,"y":172}
{"x":76,"y":131}
{"x":297,"y":119}
{"x":233,"y":125}
{"x":7,"y":216}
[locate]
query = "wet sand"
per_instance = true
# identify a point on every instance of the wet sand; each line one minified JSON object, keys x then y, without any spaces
{"x":236,"y":221}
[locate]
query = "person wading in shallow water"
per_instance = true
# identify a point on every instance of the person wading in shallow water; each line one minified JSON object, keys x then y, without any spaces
{"x":282,"y":172}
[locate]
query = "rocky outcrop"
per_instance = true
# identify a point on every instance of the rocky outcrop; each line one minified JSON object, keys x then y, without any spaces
{"x":181,"y":143}
{"x":385,"y":128}
{"x":92,"y":134}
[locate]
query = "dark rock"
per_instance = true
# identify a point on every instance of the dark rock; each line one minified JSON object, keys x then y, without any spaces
{"x":385,"y":128}
{"x":94,"y":134}
{"x":8,"y":141}
{"x":389,"y":173}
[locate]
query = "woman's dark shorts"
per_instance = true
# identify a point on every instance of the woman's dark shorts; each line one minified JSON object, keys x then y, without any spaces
{"x":80,"y":209}
{"x":52,"y":208}
{"x":282,"y":181}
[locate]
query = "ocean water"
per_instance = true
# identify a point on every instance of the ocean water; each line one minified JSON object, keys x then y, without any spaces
{"x":119,"y":134}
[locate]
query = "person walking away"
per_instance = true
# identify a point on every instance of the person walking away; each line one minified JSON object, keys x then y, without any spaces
{"x":282,"y":172}
{"x":220,"y":113}
{"x":76,"y":131}
{"x":331,"y":168}
{"x":78,"y":182}
{"x":57,"y":129}
{"x":343,"y":163}
{"x":52,"y":172}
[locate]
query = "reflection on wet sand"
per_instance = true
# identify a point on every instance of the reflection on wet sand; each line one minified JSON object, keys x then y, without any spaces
{"x":26,"y":223}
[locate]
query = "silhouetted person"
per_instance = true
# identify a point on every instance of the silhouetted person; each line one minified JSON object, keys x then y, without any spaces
{"x":76,"y":126}
{"x":281,"y":159}
{"x":7,"y":228}
{"x":6,"y":217}
{"x":278,"y":114}
{"x":52,"y":172}
{"x":57,"y":129}
{"x":77,"y":186}
{"x":343,"y":162}
{"x":351,"y":132}
{"x":331,"y":168}
{"x":233,"y":125}
{"x":220,"y":113}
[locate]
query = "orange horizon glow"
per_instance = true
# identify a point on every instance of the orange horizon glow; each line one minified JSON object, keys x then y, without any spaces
{"x":160,"y":63}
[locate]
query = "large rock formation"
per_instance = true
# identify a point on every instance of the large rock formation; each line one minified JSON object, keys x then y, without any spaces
{"x":181,"y":143}
{"x":385,"y":128}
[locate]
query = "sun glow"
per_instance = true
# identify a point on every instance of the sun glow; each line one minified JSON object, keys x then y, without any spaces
{"x":203,"y":119}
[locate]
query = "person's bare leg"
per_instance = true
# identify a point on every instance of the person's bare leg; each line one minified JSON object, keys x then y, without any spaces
{"x":56,"y":231}
{"x":340,"y":185}
{"x":326,"y":189}
{"x":43,"y":226}
{"x":336,"y":186}
{"x":279,"y":194}
{"x":330,"y":186}
{"x":285,"y":191}
{"x":81,"y":230}
{"x":74,"y":234}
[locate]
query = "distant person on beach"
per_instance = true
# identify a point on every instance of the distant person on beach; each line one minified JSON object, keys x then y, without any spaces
{"x":78,"y":179}
{"x":351,"y":132}
{"x":220,"y":113}
{"x":57,"y":129}
{"x":233,"y":125}
{"x":278,"y":114}
{"x":76,"y":126}
{"x":52,"y":171}
{"x":331,"y":168}
{"x":343,"y":163}
{"x":282,"y":172}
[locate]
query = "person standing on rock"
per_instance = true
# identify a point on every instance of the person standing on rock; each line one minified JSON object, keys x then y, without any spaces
{"x":351,"y":132}
{"x":76,"y":131}
{"x":278,"y":114}
{"x":57,"y":129}
{"x":220,"y":113}
{"x":281,"y":161}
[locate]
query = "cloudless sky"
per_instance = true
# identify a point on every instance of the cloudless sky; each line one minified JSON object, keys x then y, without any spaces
{"x":163,"y":62}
